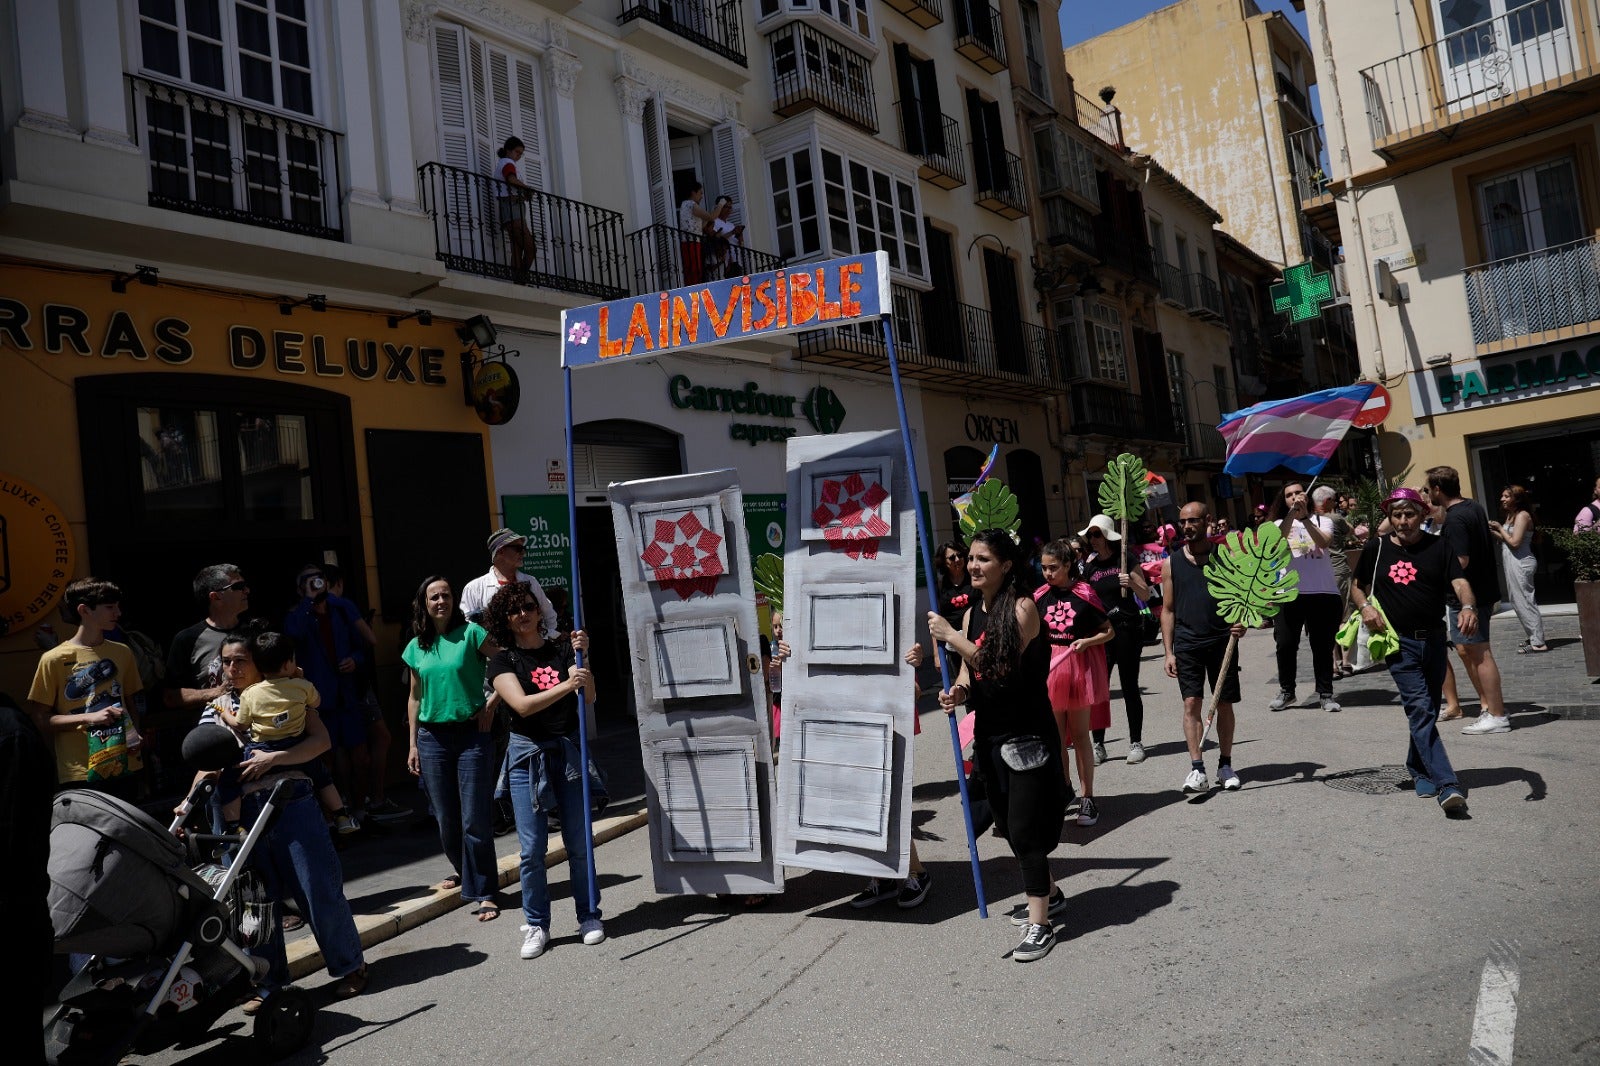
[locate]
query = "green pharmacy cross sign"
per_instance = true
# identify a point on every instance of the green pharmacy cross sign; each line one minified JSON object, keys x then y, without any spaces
{"x":1302,"y":292}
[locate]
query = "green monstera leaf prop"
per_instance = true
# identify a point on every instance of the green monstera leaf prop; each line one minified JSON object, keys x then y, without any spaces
{"x":1122,"y":493}
{"x":769,"y":579}
{"x":993,"y":506}
{"x":1249,"y":575}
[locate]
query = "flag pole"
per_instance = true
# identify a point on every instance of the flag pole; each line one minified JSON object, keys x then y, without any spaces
{"x":925,"y":543}
{"x":578,"y":656}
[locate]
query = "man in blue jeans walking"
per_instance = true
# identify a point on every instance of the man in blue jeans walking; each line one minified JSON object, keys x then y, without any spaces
{"x":1411,"y":574}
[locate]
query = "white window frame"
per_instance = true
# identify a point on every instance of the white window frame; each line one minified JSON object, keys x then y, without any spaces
{"x":843,"y":17}
{"x":1531,"y":222}
{"x":862,"y":214}
{"x":1106,"y":335}
{"x":1072,"y":162}
{"x":801,"y":200}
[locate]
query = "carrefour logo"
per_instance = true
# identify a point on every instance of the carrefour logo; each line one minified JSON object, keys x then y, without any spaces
{"x":821,"y":407}
{"x":823,"y":410}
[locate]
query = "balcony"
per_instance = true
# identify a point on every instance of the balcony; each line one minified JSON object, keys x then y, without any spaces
{"x":811,"y":69}
{"x":714,"y":25}
{"x":979,"y":36}
{"x":1470,"y":86}
{"x":1174,"y":285}
{"x":1112,"y":412}
{"x":1067,"y":223}
{"x":223,"y":159}
{"x":1205,"y":297}
{"x":942,"y":341}
{"x":1096,"y":119}
{"x":1289,"y":94}
{"x":663,"y":257}
{"x":924,"y":13}
{"x":935,"y":140}
{"x":1204,"y":444}
{"x":998,"y":181}
{"x":577,"y":247}
{"x":1545,"y":295}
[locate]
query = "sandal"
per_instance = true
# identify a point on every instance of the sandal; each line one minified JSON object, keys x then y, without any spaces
{"x":1534,"y":649}
{"x":486,"y":911}
{"x":449,"y":884}
{"x":252,"y":1005}
{"x":352,"y":984}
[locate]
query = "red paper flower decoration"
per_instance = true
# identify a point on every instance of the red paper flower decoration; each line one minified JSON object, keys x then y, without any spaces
{"x":1402,"y":573}
{"x":682,"y":556}
{"x":848,"y":515}
{"x":546,"y":677}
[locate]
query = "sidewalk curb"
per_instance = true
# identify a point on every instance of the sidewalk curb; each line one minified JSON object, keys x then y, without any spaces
{"x":305,"y":957}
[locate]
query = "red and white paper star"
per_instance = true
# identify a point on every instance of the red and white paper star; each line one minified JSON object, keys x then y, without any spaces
{"x":849,"y":515}
{"x":682,"y":556}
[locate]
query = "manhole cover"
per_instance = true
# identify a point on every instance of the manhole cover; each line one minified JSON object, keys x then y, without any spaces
{"x":1371,"y":781}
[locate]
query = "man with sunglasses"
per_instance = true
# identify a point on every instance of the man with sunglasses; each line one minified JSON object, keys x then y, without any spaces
{"x":506,"y":548}
{"x":194,"y":660}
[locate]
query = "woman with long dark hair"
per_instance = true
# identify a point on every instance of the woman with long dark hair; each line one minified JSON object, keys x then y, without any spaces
{"x":451,"y":747}
{"x":1318,"y":608}
{"x":539,"y":682}
{"x":1514,"y":531}
{"x":1016,"y":747}
{"x":1076,"y":628}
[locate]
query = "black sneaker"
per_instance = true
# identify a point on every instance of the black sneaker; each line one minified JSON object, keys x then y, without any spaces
{"x":1058,"y":907}
{"x":876,"y":892}
{"x":1036,"y":943}
{"x":914,"y":890}
{"x":1089,"y":812}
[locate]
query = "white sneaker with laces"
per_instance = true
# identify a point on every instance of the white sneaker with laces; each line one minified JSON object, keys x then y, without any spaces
{"x":1330,"y":704}
{"x":592,"y":931}
{"x":534,"y":941}
{"x":1228,"y":779}
{"x":1284,"y":699}
{"x":1196,"y":782}
{"x":1135,"y":753}
{"x":1488,"y":723}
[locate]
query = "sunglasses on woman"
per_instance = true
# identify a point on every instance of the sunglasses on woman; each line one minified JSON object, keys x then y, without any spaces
{"x":523,"y":608}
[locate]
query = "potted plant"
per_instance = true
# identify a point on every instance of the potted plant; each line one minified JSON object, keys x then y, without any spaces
{"x":1583,"y":557}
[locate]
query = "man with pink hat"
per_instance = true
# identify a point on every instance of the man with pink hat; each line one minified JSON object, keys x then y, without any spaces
{"x":1410,"y":575}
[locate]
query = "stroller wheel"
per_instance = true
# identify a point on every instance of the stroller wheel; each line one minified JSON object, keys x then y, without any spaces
{"x":284,"y":1023}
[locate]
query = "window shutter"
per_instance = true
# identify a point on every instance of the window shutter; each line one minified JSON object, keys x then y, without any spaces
{"x":730,"y":168}
{"x":928,"y":101}
{"x":910,"y":107}
{"x":526,"y":116}
{"x":483,"y":144}
{"x":657,"y":170}
{"x":455,"y":135}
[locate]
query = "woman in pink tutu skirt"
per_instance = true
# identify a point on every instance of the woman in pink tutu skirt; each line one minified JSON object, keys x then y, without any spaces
{"x":1075,"y":623}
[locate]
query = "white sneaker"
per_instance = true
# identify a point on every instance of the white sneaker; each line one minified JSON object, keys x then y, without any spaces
{"x":1228,"y":779}
{"x":592,"y":931}
{"x":1488,"y":723}
{"x":1196,"y":782}
{"x":534,"y":941}
{"x":1285,"y":698}
{"x":1099,"y":750}
{"x":1135,"y":753}
{"x":1330,"y":704}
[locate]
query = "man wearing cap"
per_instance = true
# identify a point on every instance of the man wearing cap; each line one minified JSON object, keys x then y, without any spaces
{"x":1410,"y":575}
{"x":506,"y":548}
{"x":1117,"y":578}
{"x":1196,"y":639}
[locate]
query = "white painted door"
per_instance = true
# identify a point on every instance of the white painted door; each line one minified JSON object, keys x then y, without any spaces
{"x":1489,"y":49}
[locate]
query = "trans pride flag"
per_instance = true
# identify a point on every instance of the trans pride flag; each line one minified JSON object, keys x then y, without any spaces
{"x":1300,"y":434}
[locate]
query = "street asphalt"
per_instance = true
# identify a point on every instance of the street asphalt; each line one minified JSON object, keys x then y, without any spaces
{"x":1319,"y":915}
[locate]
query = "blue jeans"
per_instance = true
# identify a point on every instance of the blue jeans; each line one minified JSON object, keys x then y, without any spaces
{"x":297,"y":860}
{"x":457,"y":769}
{"x":1418,"y":670}
{"x":542,"y":774}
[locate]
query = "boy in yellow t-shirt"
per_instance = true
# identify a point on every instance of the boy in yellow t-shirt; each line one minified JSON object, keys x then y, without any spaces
{"x":86,"y":695}
{"x":273,"y":711}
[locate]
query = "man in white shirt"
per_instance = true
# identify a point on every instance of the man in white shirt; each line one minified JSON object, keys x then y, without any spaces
{"x":506,"y":548}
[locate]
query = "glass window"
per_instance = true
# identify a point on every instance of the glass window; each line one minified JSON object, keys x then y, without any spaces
{"x":794,"y":204}
{"x":270,"y":42}
{"x":275,"y":467}
{"x":1176,"y":389}
{"x":1105,"y":327}
{"x":1529,"y":210}
{"x":180,"y":464}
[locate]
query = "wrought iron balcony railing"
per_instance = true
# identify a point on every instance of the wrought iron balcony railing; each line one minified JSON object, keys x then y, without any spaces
{"x":935,"y":139}
{"x":224,"y":159}
{"x":1504,"y":60}
{"x":1113,"y":412}
{"x":1296,"y":98}
{"x":811,"y":69}
{"x":1174,"y":284}
{"x":715,"y":25}
{"x":1205,"y":297}
{"x":1205,"y":443}
{"x":1094,"y":118}
{"x":577,"y":247}
{"x":664,"y":257}
{"x":999,"y":181}
{"x":1552,"y":289}
{"x":979,"y":36}
{"x":1067,"y":223}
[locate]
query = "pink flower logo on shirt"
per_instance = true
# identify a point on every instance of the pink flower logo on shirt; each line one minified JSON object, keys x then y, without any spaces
{"x":546,"y":677}
{"x":1059,"y":616}
{"x":961,"y":600}
{"x":1402,"y":573}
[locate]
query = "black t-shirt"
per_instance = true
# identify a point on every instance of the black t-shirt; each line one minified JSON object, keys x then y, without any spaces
{"x":954,"y":601}
{"x":194,"y":659}
{"x":1411,"y":581}
{"x":1466,"y":530}
{"x":1018,"y":703}
{"x":1103,"y":575}
{"x":1066,"y":617}
{"x":540,"y":669}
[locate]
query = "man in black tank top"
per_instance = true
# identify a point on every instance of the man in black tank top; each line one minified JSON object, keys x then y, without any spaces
{"x":1196,"y":639}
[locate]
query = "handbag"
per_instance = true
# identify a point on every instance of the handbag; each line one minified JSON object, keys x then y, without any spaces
{"x":1024,"y":753}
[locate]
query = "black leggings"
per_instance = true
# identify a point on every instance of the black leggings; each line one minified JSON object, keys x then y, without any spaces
{"x":1319,"y":614}
{"x":1123,"y":652}
{"x":1029,"y":808}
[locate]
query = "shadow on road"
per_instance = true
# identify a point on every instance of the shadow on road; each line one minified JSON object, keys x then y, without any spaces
{"x":414,"y":967}
{"x":1102,"y":908}
{"x":1281,"y":773}
{"x":1490,"y":776}
{"x":334,"y":1031}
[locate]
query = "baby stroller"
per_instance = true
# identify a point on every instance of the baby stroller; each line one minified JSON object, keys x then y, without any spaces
{"x":166,"y":928}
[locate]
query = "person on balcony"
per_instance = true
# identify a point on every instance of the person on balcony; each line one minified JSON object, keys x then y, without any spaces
{"x":724,"y":241}
{"x":513,"y":196}
{"x":692,"y":222}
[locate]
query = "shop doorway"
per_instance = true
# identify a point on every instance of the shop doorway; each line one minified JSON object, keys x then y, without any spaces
{"x":602,"y":453}
{"x":184,"y":470}
{"x":1025,"y":477}
{"x":1559,"y":464}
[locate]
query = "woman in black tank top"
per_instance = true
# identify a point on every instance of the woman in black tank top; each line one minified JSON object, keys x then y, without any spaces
{"x":1005,"y":661}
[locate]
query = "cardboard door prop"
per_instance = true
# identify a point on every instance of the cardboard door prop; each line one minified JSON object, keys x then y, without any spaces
{"x":844,"y":788}
{"x":703,"y":725}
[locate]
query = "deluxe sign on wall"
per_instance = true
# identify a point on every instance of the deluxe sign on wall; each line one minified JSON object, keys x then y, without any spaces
{"x":1524,"y":375}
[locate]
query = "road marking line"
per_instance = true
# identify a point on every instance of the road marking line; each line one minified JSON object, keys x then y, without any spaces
{"x":1494,"y":1025}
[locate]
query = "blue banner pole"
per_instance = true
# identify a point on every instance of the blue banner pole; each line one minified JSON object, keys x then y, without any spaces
{"x":925,"y":544}
{"x":577,"y":623}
